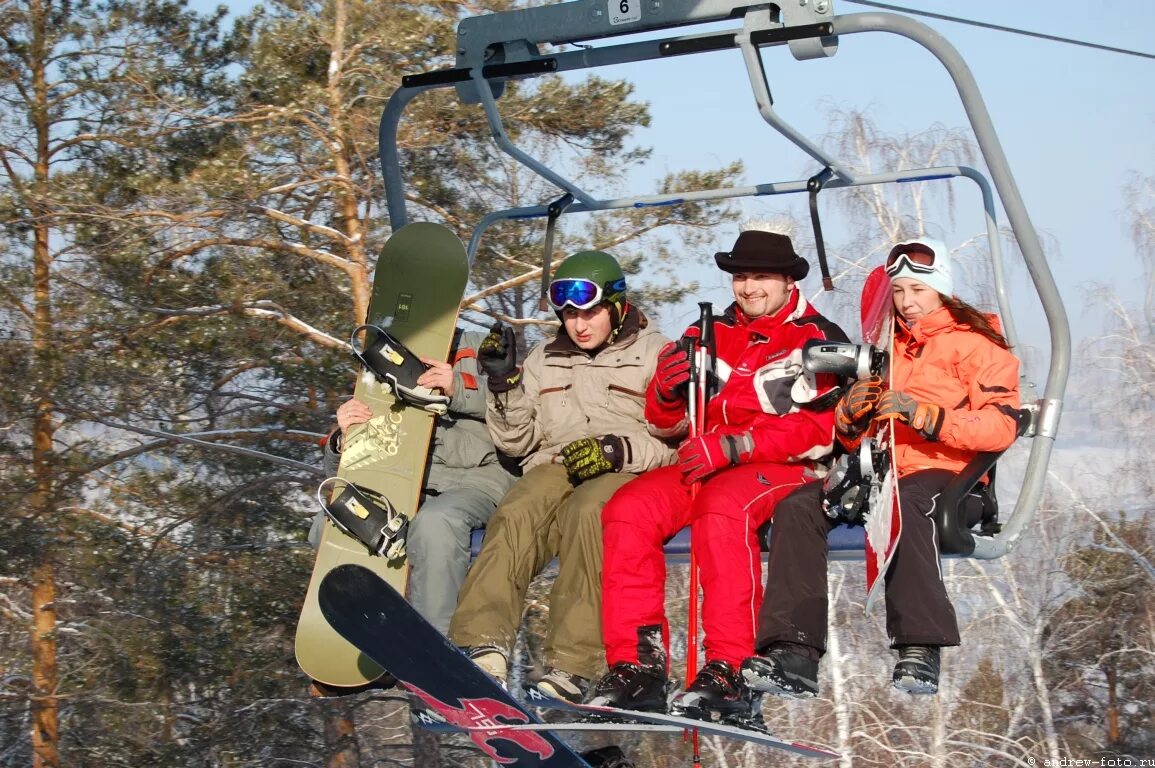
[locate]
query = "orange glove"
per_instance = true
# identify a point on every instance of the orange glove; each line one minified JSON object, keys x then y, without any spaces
{"x":853,"y":411}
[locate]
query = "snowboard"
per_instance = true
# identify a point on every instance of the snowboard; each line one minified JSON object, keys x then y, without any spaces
{"x":750,"y":734}
{"x":417,"y":288}
{"x":431,"y":721}
{"x":371,"y":614}
{"x":883,"y":520}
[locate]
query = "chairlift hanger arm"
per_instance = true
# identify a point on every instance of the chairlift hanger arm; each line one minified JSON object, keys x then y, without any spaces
{"x":509,"y":56}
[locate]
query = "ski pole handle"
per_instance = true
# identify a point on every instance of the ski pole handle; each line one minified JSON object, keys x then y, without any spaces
{"x":706,"y":325}
{"x":704,"y":361}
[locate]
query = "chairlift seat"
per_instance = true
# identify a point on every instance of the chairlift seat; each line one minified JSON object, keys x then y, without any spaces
{"x":848,"y":543}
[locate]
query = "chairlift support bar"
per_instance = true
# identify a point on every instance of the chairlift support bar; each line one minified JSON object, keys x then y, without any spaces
{"x":494,"y":48}
{"x":799,"y":186}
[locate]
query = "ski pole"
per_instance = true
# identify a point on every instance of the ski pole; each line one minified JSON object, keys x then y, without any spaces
{"x":701,"y":375}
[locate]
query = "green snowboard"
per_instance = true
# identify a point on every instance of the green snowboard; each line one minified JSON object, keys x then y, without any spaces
{"x":417,"y":291}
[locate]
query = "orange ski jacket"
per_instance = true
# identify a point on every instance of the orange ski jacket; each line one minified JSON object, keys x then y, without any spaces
{"x":976,"y":382}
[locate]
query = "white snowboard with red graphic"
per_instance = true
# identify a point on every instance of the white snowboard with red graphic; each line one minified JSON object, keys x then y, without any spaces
{"x":883,"y":521}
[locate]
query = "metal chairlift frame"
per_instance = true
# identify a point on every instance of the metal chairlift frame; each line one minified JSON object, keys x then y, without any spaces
{"x":494,"y":48}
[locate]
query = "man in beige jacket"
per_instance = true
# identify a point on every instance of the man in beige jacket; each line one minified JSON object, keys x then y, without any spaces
{"x":576,"y":411}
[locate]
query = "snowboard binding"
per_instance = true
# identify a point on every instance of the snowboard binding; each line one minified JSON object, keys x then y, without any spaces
{"x":397,"y":368}
{"x":368,"y":517}
{"x":846,"y":489}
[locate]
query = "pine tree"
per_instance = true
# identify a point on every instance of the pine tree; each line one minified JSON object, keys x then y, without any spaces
{"x":77,"y":79}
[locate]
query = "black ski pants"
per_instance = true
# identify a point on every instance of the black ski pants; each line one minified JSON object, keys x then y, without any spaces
{"x":918,"y":611}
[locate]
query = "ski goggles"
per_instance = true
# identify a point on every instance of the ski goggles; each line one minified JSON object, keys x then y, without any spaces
{"x":917,"y":257}
{"x":578,"y":292}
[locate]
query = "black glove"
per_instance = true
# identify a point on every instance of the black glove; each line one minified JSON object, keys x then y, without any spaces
{"x":589,"y":457}
{"x":497,"y":356}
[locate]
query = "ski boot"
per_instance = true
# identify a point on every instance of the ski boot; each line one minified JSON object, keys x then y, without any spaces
{"x":717,"y":694}
{"x":782,"y":672}
{"x":917,"y":669}
{"x":627,"y":685}
{"x":641,"y":685}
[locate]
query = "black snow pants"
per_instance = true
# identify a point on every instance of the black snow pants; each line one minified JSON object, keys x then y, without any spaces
{"x":918,"y":611}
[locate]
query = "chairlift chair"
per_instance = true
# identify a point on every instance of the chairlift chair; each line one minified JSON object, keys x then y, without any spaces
{"x":494,"y":48}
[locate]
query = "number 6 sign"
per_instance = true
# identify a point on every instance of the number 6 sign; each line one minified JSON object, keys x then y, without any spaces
{"x":624,"y":11}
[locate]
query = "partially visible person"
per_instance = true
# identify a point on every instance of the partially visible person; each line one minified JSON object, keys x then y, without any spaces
{"x":955,"y":393}
{"x":575,"y":410}
{"x":464,"y":480}
{"x":766,"y":431}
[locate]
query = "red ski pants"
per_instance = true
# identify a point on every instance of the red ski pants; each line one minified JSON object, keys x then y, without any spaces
{"x":724,"y":519}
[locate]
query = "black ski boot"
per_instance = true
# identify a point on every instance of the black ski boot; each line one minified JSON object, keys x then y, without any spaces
{"x":632,"y":686}
{"x":641,"y":685}
{"x":717,"y":694}
{"x":782,"y":672}
{"x":917,"y":669}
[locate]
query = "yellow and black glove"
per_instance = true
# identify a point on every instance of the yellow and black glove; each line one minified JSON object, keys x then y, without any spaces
{"x":589,"y":457}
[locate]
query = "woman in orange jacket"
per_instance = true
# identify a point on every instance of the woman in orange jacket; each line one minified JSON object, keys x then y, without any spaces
{"x":954,"y":393}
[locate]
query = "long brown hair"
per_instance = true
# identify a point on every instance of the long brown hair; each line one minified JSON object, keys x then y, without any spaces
{"x":978,"y":321}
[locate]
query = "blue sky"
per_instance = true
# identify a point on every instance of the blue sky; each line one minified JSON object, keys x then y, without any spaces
{"x":1074,"y":123}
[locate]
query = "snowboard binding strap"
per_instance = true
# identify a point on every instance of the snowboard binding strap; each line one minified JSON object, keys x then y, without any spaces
{"x":846,"y":489}
{"x":397,"y":368}
{"x":368,"y":517}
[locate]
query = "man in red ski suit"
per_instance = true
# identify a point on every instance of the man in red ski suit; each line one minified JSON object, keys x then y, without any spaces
{"x":764,"y":434}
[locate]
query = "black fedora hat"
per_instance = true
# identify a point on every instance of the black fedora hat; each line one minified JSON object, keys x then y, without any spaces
{"x":758,"y":251}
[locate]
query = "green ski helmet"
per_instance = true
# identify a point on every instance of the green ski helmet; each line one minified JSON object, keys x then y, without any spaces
{"x":586,"y":279}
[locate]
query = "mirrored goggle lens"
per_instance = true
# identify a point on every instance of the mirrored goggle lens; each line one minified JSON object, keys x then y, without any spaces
{"x":580,"y":294}
{"x":917,"y":260}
